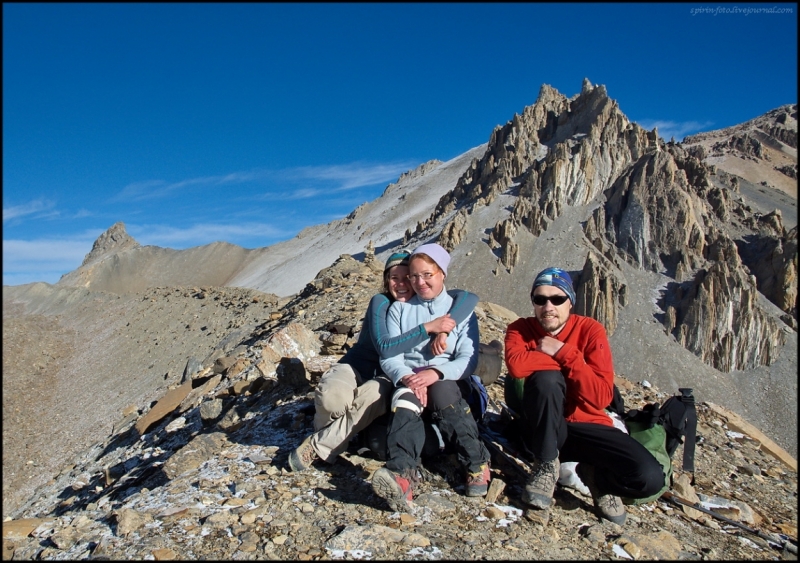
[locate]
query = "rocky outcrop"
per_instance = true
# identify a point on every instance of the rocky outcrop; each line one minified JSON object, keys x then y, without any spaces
{"x":716,"y":315}
{"x":599,"y":293}
{"x":502,"y":240}
{"x":115,"y":239}
{"x":652,"y":216}
{"x":746,"y":144}
{"x":664,"y":215}
{"x":345,"y":267}
{"x":557,"y":152}
{"x":779,"y":123}
{"x":790,"y":171}
{"x":662,"y":209}
{"x":453,"y":232}
{"x":773,"y":262}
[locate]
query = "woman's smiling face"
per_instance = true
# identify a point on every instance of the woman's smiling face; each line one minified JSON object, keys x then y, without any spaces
{"x":397,"y":283}
{"x":419,"y":269}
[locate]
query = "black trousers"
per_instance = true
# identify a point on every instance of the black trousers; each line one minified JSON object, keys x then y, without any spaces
{"x":451,"y":414}
{"x":623,"y":467}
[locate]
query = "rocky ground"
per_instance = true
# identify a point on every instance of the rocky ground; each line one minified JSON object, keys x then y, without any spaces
{"x":200,"y":472}
{"x":70,"y":371}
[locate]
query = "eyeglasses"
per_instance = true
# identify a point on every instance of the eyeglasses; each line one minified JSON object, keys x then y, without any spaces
{"x":554,"y":299}
{"x":423,"y":276}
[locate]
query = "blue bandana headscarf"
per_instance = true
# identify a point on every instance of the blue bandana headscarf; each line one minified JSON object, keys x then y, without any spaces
{"x":557,"y":278}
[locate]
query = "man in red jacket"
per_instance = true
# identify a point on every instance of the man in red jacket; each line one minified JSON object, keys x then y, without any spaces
{"x":562,"y":363}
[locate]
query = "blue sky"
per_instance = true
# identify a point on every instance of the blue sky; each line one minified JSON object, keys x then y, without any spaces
{"x":245,"y":123}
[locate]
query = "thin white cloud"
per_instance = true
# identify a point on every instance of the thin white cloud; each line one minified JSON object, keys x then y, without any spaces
{"x":155,"y":189}
{"x":332,"y":178}
{"x":675,"y":129}
{"x":299,"y":193}
{"x":241,"y":177}
{"x":355,"y":175}
{"x":35,"y":207}
{"x":81,"y":214}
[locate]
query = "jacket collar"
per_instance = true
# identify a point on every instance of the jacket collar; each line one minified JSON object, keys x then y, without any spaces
{"x":433,"y":301}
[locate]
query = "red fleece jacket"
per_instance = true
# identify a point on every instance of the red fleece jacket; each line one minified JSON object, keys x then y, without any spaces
{"x":585,"y":360}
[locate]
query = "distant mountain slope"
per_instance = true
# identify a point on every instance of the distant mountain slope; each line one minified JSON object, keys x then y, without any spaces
{"x":135,"y":269}
{"x":120,"y":265}
{"x":286,"y":267}
{"x":762,"y":151}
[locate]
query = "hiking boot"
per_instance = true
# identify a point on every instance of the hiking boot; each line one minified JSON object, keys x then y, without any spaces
{"x":478,"y":482}
{"x":302,"y":458}
{"x":607,"y":506}
{"x":395,"y":489}
{"x":542,"y":484}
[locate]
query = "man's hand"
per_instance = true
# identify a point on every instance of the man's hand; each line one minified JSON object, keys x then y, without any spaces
{"x":549,"y":345}
{"x":440,"y":324}
{"x":439,"y":344}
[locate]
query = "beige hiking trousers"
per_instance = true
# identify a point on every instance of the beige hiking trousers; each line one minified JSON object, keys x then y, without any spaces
{"x":345,"y":406}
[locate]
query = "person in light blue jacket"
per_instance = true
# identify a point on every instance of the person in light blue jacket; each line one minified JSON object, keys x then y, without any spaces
{"x":433,"y":381}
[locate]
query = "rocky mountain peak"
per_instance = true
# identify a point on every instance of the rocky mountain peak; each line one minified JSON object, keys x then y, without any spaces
{"x":115,"y":239}
{"x":660,"y":209}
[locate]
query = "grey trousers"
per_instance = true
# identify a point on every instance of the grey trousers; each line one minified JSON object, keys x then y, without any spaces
{"x":346,"y":405}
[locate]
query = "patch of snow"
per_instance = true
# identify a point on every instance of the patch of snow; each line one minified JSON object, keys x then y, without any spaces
{"x":432,"y":552}
{"x":350,"y":553}
{"x":619,"y":552}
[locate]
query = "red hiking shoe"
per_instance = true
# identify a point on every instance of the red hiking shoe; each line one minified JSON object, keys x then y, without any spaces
{"x":478,"y":482}
{"x":395,"y":489}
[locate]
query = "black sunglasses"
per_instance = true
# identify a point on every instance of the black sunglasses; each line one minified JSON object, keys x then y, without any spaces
{"x":554,"y":299}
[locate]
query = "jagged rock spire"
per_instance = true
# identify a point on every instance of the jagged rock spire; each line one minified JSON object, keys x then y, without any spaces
{"x":115,"y":239}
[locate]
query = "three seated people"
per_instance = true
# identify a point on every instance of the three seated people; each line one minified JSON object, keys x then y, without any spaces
{"x":560,"y":382}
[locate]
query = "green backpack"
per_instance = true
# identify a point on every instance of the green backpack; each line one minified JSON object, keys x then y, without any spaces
{"x":661,"y":430}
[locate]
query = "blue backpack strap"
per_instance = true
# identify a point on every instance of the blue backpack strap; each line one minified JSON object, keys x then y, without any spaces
{"x":478,"y":399}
